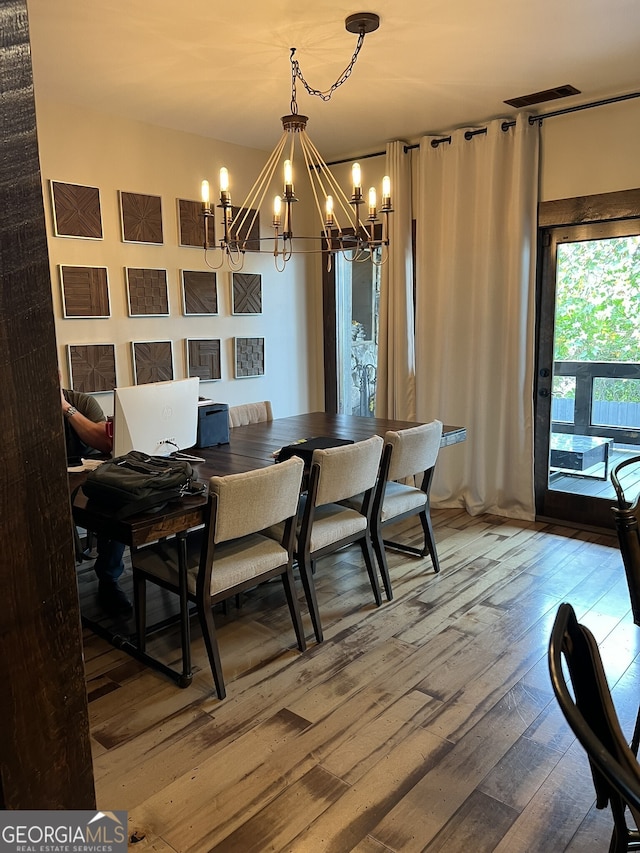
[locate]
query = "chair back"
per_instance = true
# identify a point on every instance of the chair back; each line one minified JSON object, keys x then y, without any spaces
{"x":413,"y":450}
{"x":592,"y":716}
{"x":347,"y":470}
{"x":626,"y":520}
{"x":250,"y":502}
{"x":250,"y":413}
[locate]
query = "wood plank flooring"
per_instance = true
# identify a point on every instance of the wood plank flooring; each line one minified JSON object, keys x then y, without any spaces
{"x":427,"y":724}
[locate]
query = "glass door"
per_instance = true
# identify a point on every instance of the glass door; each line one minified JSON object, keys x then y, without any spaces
{"x":351,"y":311}
{"x":588,"y":376}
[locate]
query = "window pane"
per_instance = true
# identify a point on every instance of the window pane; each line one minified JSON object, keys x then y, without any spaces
{"x":616,"y":402}
{"x":563,"y":401}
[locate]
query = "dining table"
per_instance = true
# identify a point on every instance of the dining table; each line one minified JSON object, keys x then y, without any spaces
{"x":252,"y":446}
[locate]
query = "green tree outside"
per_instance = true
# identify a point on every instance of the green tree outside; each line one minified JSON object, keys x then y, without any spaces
{"x":598,"y":310}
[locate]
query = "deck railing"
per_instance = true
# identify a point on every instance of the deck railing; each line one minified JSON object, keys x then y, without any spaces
{"x":586,"y":413}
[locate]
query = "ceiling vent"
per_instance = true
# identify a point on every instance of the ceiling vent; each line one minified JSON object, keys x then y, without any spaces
{"x":542,"y":97}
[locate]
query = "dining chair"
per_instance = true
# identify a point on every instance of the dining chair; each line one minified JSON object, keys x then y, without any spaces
{"x":337,"y":473}
{"x":592,"y":717}
{"x":250,"y":413}
{"x":407,"y":453}
{"x":230,"y":553}
{"x":626,"y":514}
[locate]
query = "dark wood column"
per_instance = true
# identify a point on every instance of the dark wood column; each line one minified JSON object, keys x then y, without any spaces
{"x":45,"y":760}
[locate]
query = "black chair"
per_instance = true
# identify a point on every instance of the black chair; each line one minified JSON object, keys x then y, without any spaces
{"x":591,"y":714}
{"x":626,"y":520}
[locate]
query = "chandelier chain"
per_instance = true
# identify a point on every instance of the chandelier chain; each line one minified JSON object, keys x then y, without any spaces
{"x":327,"y":93}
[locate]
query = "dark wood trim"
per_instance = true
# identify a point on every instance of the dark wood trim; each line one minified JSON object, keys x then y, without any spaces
{"x":603,"y":207}
{"x":45,"y":757}
{"x":581,"y":218}
{"x":330,"y":343}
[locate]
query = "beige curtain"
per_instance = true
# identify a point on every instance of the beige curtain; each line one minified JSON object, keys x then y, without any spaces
{"x":395,"y":388}
{"x":475,"y":270}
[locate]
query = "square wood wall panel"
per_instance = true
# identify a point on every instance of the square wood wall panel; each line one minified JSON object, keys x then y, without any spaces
{"x":92,"y":367}
{"x":152,"y":361}
{"x":141,"y":218}
{"x":76,"y":211}
{"x":246,"y":293}
{"x":85,"y":291}
{"x":147,"y":290}
{"x":203,"y":358}
{"x":191,"y":224}
{"x":249,"y":356}
{"x":199,"y":292}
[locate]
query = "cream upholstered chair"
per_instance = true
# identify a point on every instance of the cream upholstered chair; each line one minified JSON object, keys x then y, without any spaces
{"x":337,"y":473}
{"x":230,"y":554}
{"x":407,"y":453}
{"x":250,"y":413}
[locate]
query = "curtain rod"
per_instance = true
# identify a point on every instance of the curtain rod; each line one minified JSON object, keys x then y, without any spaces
{"x":469,"y":134}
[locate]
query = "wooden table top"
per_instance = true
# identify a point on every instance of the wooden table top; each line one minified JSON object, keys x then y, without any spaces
{"x":249,"y":447}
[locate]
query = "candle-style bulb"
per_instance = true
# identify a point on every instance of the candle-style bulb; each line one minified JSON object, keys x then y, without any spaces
{"x":288,"y":177}
{"x":205,"y":193}
{"x":372,"y":201}
{"x":224,"y":180}
{"x":356,"y":177}
{"x":329,"y":210}
{"x":277,"y":211}
{"x":386,"y":189}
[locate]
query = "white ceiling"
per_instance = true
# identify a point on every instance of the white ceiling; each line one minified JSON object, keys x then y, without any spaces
{"x":222,"y":71}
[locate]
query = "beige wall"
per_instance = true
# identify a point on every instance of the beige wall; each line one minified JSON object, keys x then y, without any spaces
{"x":94,"y":149}
{"x":582,"y":153}
{"x":591,"y":151}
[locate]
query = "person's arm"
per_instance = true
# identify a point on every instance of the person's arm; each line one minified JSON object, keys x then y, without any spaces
{"x":91,"y":432}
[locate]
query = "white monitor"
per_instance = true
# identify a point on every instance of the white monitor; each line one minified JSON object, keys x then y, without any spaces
{"x":157,"y":419}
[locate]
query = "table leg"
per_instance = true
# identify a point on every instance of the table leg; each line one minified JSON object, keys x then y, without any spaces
{"x":185,"y":627}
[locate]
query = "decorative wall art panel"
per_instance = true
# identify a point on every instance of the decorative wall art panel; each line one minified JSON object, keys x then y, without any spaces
{"x":152,"y":361}
{"x":92,"y":367}
{"x":76,"y":211}
{"x":85,"y":291}
{"x":141,"y":218}
{"x":246,"y":293}
{"x":249,"y":356}
{"x":199,"y":292}
{"x":203,"y":358}
{"x":249,"y":229}
{"x":191,"y":224}
{"x":147,"y":292}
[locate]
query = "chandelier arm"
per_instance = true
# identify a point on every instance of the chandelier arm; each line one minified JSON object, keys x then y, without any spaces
{"x":335,"y":186}
{"x":213,"y":266}
{"x":346,"y":206}
{"x":259,"y":189}
{"x":310,"y":166}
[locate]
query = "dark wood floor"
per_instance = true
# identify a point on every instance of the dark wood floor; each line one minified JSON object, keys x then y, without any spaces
{"x":426,"y":724}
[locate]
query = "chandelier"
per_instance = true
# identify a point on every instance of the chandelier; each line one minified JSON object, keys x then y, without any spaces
{"x":347,"y":224}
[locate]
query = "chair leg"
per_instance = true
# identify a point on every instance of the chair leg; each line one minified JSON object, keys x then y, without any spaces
{"x":205,"y":616}
{"x":429,"y":539}
{"x":140,"y":608}
{"x":294,"y":609}
{"x":378,"y":547}
{"x":635,"y":740}
{"x":367,"y":553}
{"x":310,"y":594}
